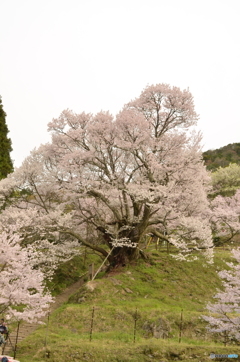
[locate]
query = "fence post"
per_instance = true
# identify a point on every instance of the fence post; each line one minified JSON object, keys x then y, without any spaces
{"x":91,"y":271}
{"x":15,"y":347}
{"x":84,"y":256}
{"x":180,"y":327}
{"x":225,"y":338}
{"x":91,"y":329}
{"x":135,"y":326}
{"x":47,"y":353}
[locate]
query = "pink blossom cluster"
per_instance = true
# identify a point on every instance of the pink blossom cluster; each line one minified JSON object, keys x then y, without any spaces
{"x":224,"y":314}
{"x":23,"y":295}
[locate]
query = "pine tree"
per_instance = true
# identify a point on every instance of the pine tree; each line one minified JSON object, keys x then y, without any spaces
{"x":6,"y":165}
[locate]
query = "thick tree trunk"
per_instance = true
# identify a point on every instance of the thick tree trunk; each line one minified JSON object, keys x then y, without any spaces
{"x":122,"y":256}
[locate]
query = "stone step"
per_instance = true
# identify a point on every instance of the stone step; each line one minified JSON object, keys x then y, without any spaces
{"x":24,"y":330}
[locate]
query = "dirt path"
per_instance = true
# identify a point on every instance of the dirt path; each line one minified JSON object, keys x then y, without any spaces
{"x":63,"y":297}
{"x":27,"y":328}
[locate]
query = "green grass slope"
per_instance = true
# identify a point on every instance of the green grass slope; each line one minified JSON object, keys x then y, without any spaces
{"x":143,"y":312}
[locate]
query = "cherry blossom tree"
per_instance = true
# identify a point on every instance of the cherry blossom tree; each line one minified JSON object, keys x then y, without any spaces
{"x":23,"y":295}
{"x":109,"y":182}
{"x":225,"y":312}
{"x":224,"y":217}
{"x":224,"y":197}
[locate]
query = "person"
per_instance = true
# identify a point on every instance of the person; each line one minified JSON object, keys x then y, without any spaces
{"x":3,"y":328}
{"x":4,"y":359}
{"x":2,"y":341}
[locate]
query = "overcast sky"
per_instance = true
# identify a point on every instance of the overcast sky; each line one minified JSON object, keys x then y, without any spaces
{"x":88,"y":55}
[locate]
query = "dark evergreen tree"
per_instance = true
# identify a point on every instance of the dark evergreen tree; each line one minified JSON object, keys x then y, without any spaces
{"x":6,"y":165}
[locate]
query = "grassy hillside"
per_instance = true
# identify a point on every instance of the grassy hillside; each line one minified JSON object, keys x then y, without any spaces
{"x":135,"y":314}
